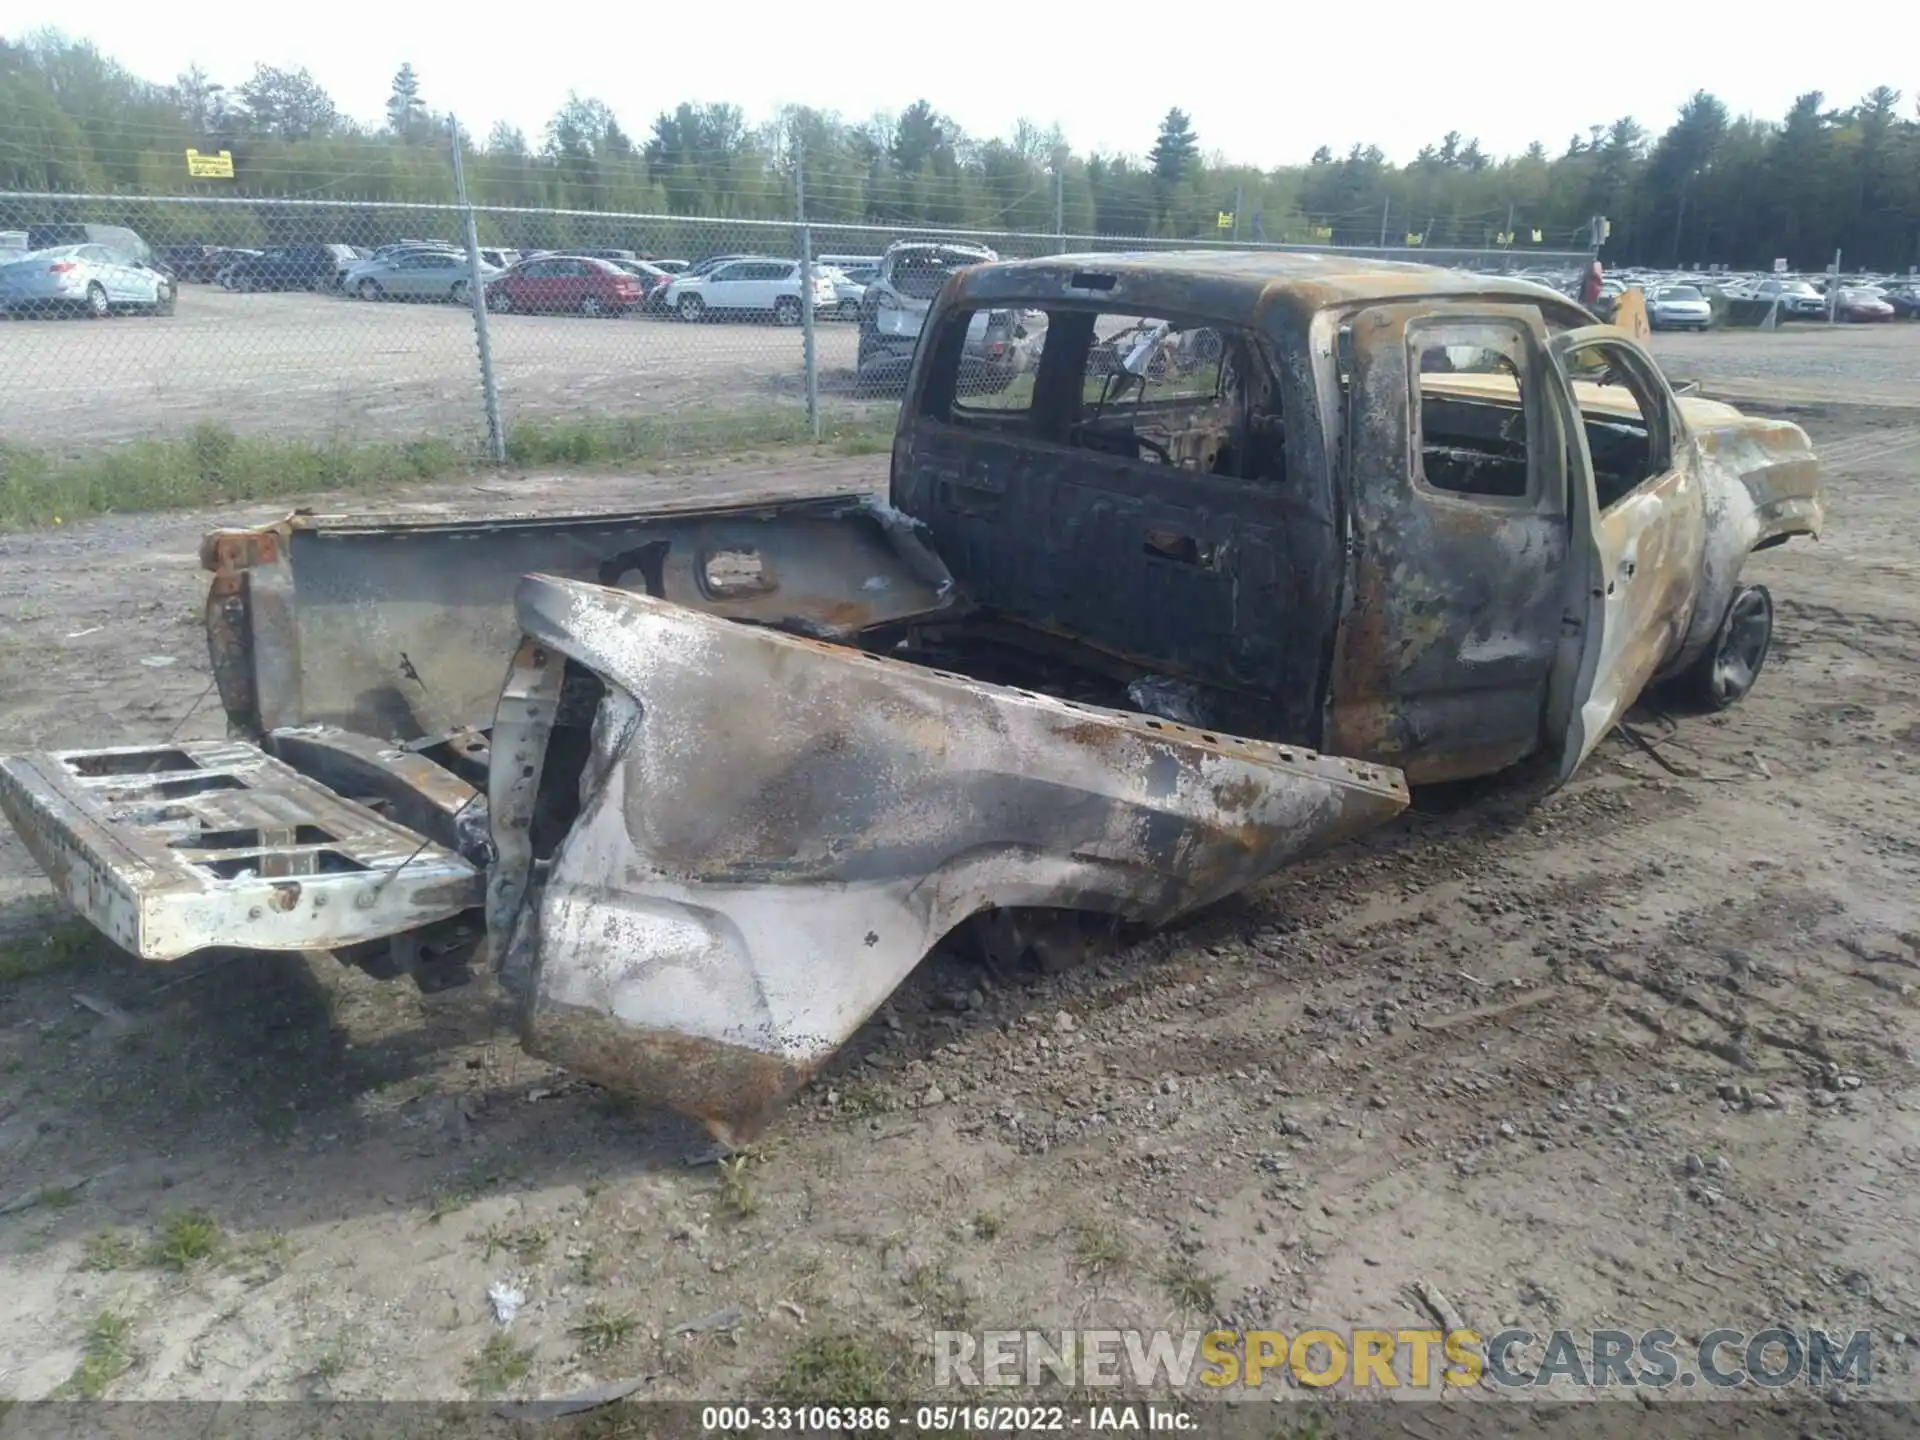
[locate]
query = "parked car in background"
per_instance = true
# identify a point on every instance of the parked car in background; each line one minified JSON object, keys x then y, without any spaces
{"x":566,"y":285}
{"x":199,"y":264}
{"x":1861,"y":306}
{"x":1678,"y":307}
{"x":653,"y":282}
{"x":593,"y":252}
{"x":1797,"y":297}
{"x":850,"y":288}
{"x":291,"y":267}
{"x":91,"y":280}
{"x":117,"y":238}
{"x":672,"y":267}
{"x":1905,"y":300}
{"x":748,"y":287}
{"x":895,"y":303}
{"x":415,"y":275}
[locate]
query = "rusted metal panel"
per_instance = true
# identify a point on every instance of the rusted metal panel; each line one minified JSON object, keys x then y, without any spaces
{"x":172,"y":849}
{"x":773,"y":831}
{"x":1453,"y":600}
{"x":399,"y":627}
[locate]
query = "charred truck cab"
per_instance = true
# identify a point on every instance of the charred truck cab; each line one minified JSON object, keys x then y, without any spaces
{"x":1246,"y":544}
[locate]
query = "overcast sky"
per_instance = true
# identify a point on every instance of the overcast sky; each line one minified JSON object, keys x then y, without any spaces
{"x":1264,"y":83}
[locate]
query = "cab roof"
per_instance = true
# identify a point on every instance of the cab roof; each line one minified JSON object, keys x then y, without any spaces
{"x":1245,"y":282}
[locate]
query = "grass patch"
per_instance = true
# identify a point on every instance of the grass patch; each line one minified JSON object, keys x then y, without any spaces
{"x":1097,"y":1248}
{"x":58,"y":949}
{"x":987,"y":1225}
{"x":499,"y":1365}
{"x":211,"y":464}
{"x":642,"y":439}
{"x":185,"y":1238}
{"x":59,"y":1197}
{"x":842,"y":1369}
{"x":601,"y":1329}
{"x":1188,"y":1286}
{"x":106,"y":1355}
{"x":109,"y":1250}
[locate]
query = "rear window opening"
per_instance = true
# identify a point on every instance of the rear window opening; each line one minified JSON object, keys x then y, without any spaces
{"x":1157,"y":390}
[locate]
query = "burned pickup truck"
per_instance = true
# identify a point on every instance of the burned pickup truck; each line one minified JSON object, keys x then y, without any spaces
{"x":1260,"y":541}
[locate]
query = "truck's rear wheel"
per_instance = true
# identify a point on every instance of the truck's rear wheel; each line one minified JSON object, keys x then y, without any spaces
{"x":1728,"y":668}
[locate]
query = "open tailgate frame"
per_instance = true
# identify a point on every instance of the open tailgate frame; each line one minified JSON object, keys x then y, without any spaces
{"x":169,"y":849}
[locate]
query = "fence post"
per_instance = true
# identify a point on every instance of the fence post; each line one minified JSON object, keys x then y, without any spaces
{"x":810,"y":355}
{"x":477,"y":301}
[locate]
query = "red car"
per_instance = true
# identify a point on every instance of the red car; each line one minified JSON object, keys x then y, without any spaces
{"x":1862,"y":307}
{"x":566,"y":285}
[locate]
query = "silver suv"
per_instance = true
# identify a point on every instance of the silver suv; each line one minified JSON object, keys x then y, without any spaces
{"x":895,"y":305}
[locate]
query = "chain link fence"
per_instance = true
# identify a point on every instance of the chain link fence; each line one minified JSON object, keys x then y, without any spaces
{"x":343,"y":327}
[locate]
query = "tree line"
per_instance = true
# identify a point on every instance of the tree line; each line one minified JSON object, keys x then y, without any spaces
{"x":1710,"y":188}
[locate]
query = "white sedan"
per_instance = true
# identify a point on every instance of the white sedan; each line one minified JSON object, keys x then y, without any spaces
{"x":92,"y":280}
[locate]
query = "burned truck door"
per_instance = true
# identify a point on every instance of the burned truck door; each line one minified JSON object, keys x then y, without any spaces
{"x":1639,"y":527}
{"x":1457,"y":522}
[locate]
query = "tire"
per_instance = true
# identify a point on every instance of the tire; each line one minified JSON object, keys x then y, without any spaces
{"x":1729,"y":667}
{"x":786,"y":310}
{"x":592,"y":306}
{"x":458,"y":294}
{"x":96,"y":302}
{"x":168,"y":300}
{"x":499,"y":300}
{"x":692,"y":309}
{"x":369,"y":290}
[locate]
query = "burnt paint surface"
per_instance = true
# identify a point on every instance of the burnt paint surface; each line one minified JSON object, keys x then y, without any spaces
{"x":1454,"y":601}
{"x":402,"y":628}
{"x":754,"y":911}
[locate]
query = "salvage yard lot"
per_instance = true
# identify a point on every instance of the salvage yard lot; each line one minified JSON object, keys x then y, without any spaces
{"x":311,"y":366}
{"x":301,"y":365}
{"x":1637,"y":1053}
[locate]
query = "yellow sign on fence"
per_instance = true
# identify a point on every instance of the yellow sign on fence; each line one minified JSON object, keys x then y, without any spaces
{"x":1224,"y":221}
{"x":210,"y":167}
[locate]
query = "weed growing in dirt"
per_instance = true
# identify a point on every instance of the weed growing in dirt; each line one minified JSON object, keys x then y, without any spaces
{"x":186,"y":1238}
{"x":863,"y":1098}
{"x":263,"y":1256}
{"x":601,"y":1329}
{"x":105,"y":1356}
{"x":1097,"y":1248}
{"x":109,"y":1250}
{"x":737,"y":1195}
{"x":841,"y":1369}
{"x":28,"y":956}
{"x":526,"y":1242}
{"x":59,"y":1197}
{"x":500,"y":1364}
{"x":1188,"y":1286}
{"x":335,"y":1357}
{"x":939,"y":1294}
{"x":987,"y":1225}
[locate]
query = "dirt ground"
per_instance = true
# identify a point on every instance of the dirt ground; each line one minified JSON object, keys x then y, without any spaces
{"x":1638,"y":1053}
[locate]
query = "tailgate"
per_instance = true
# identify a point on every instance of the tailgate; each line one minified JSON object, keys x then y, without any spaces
{"x":174,"y":848}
